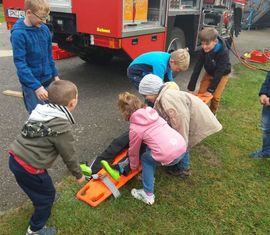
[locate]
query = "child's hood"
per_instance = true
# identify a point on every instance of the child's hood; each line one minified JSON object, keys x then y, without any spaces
{"x":221,"y":45}
{"x":47,"y":112}
{"x":47,"y":120}
{"x":144,"y":116}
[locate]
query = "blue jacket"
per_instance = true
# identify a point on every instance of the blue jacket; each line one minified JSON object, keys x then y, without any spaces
{"x":156,"y":61}
{"x":32,"y":54}
{"x":265,"y":89}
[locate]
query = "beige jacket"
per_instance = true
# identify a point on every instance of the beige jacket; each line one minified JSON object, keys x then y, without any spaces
{"x":187,"y":114}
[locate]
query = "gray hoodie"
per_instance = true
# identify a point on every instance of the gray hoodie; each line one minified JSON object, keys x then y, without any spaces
{"x":46,"y":134}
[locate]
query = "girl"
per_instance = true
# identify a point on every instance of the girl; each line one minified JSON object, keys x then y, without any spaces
{"x":165,"y":146}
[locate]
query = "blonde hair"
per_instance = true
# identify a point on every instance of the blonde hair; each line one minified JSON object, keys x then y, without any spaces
{"x":181,"y":58}
{"x":61,"y":92}
{"x":36,"y":5}
{"x":208,"y":34}
{"x":128,"y":104}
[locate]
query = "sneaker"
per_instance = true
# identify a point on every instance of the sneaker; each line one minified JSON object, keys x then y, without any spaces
{"x":259,"y":154}
{"x":141,"y":195}
{"x":178,"y":172}
{"x":115,"y":174}
{"x":185,"y":174}
{"x":44,"y":231}
{"x":173,"y":170}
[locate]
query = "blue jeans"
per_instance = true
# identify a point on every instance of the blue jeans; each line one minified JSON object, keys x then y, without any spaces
{"x":265,"y":125}
{"x":184,"y":163}
{"x":30,"y":98}
{"x":39,"y":188}
{"x":148,"y":170}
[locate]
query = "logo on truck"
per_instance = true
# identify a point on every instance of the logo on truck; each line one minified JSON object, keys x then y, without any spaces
{"x":102,"y":30}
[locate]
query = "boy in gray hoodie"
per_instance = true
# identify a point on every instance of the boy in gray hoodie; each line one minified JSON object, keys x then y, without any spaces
{"x":45,"y":135}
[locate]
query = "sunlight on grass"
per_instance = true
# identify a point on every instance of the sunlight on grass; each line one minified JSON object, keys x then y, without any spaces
{"x":228,"y":193}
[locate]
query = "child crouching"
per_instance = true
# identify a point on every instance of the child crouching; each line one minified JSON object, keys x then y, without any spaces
{"x":165,"y":146}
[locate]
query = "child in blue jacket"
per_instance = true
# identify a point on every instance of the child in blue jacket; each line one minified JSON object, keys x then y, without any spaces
{"x":264,"y":94}
{"x":32,"y":53}
{"x":158,"y":63}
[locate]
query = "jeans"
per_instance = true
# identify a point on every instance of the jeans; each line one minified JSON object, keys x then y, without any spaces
{"x":30,"y":98}
{"x":184,"y":163}
{"x":148,"y":170}
{"x":265,"y":124}
{"x":39,"y":188}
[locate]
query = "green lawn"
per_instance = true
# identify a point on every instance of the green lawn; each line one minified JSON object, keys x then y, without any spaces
{"x":228,"y":193}
{"x":1,"y":14}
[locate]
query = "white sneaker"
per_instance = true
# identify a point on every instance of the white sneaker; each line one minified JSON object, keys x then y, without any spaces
{"x":44,"y":231}
{"x":141,"y":195}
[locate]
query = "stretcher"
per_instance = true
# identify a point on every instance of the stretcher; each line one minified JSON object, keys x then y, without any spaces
{"x":205,"y":99}
{"x":102,"y":185}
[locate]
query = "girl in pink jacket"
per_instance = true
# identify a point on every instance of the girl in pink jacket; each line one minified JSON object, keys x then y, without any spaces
{"x":165,"y":146}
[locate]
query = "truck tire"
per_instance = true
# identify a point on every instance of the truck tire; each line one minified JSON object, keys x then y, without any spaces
{"x":176,"y":40}
{"x":97,"y":57}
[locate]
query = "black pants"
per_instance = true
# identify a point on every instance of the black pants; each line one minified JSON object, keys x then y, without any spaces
{"x":39,"y":188}
{"x":117,"y":146}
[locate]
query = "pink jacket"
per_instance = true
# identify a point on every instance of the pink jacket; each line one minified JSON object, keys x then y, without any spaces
{"x":147,"y":127}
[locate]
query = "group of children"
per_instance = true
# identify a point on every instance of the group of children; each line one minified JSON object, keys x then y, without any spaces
{"x":161,"y":133}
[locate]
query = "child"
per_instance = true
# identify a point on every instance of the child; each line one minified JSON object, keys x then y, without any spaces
{"x":164,"y":145}
{"x":46,"y":134}
{"x":184,"y":112}
{"x":32,"y":53}
{"x":159,"y":63}
{"x":264,"y":94}
{"x":214,"y":56}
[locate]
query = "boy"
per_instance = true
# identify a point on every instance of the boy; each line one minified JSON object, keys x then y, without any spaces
{"x":32,"y":53}
{"x":214,"y":56}
{"x":264,"y":94}
{"x":159,"y":63}
{"x":46,"y":134}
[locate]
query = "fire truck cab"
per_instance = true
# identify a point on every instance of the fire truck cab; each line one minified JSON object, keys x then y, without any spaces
{"x":98,"y":30}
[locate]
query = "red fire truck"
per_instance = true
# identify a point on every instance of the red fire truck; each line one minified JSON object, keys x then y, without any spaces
{"x":97,"y":30}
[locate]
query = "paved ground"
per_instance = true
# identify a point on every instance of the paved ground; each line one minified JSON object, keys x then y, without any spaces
{"x":97,"y":116}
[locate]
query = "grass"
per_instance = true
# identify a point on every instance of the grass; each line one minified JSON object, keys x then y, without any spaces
{"x":2,"y":19}
{"x":228,"y":193}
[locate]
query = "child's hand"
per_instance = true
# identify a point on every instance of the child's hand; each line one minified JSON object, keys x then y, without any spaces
{"x":42,"y":93}
{"x":264,"y":100}
{"x":56,"y":78}
{"x":81,"y":180}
